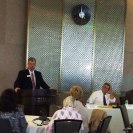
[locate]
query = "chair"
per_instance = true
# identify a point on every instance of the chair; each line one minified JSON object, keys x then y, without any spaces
{"x":103,"y":126}
{"x":96,"y":118}
{"x":5,"y":126}
{"x":67,"y":126}
{"x":128,"y":126}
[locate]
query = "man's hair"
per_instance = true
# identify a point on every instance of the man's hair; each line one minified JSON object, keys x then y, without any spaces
{"x":108,"y":84}
{"x":32,"y":59}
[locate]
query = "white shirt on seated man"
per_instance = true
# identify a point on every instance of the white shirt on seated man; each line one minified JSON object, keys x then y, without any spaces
{"x":97,"y":96}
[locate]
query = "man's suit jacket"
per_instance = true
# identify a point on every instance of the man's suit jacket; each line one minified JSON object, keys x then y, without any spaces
{"x":23,"y":80}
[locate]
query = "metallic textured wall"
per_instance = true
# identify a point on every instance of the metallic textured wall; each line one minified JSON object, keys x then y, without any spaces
{"x":109,"y":43}
{"x":44,"y":38}
{"x":77,"y":49}
{"x":68,"y":54}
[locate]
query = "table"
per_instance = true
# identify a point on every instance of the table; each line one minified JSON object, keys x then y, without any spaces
{"x":116,"y":124}
{"x":33,"y":128}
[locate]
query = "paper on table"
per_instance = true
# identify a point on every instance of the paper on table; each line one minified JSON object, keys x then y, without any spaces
{"x":109,"y":107}
{"x":94,"y":106}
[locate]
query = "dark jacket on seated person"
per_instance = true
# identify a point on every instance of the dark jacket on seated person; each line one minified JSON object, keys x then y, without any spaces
{"x":10,"y":111}
{"x":129,"y":96}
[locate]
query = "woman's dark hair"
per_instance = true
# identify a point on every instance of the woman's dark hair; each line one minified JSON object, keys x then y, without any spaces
{"x":8,"y":101}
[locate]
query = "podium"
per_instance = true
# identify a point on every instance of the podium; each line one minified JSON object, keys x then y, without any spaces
{"x":37,"y":101}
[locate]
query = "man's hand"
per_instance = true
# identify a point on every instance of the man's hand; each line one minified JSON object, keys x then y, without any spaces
{"x":17,"y":89}
{"x":112,"y":95}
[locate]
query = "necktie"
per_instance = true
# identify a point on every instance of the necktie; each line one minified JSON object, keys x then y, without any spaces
{"x":33,"y":81}
{"x":104,"y":100}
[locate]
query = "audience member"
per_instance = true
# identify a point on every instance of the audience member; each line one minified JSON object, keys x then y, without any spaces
{"x":104,"y":96}
{"x":10,"y":111}
{"x":30,"y":78}
{"x":77,"y":93}
{"x":129,"y":96}
{"x":67,"y":112}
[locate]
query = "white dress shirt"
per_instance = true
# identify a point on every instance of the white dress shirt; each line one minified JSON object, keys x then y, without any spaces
{"x":97,"y":98}
{"x":30,"y":72}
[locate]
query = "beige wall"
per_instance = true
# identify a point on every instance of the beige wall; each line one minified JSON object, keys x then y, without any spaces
{"x":128,"y":57}
{"x":13,"y":16}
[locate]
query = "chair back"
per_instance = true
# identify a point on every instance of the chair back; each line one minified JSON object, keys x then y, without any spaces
{"x":97,"y":116}
{"x":67,"y":126}
{"x":103,"y":126}
{"x":5,"y":126}
{"x":125,"y":115}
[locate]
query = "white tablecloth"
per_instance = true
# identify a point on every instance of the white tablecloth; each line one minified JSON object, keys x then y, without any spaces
{"x":33,"y":128}
{"x":116,"y":124}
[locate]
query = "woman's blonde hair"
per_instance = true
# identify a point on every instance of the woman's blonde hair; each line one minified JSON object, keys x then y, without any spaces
{"x":76,"y":92}
{"x":68,"y":101}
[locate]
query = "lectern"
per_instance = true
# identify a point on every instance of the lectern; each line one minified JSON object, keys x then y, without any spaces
{"x":37,"y":101}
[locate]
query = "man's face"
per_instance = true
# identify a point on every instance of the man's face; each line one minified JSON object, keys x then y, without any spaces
{"x":31,"y":65}
{"x":105,"y":89}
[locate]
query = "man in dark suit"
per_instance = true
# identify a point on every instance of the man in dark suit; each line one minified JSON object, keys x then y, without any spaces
{"x":30,"y":78}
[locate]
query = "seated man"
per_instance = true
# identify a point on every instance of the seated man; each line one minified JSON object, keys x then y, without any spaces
{"x":67,"y":112}
{"x":129,"y":96}
{"x":104,"y":96}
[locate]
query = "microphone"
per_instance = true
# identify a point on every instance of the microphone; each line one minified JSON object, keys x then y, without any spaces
{"x":41,"y":120}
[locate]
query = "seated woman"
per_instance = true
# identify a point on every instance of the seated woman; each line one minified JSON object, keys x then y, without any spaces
{"x":10,"y":111}
{"x":67,"y":112}
{"x":77,"y":93}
